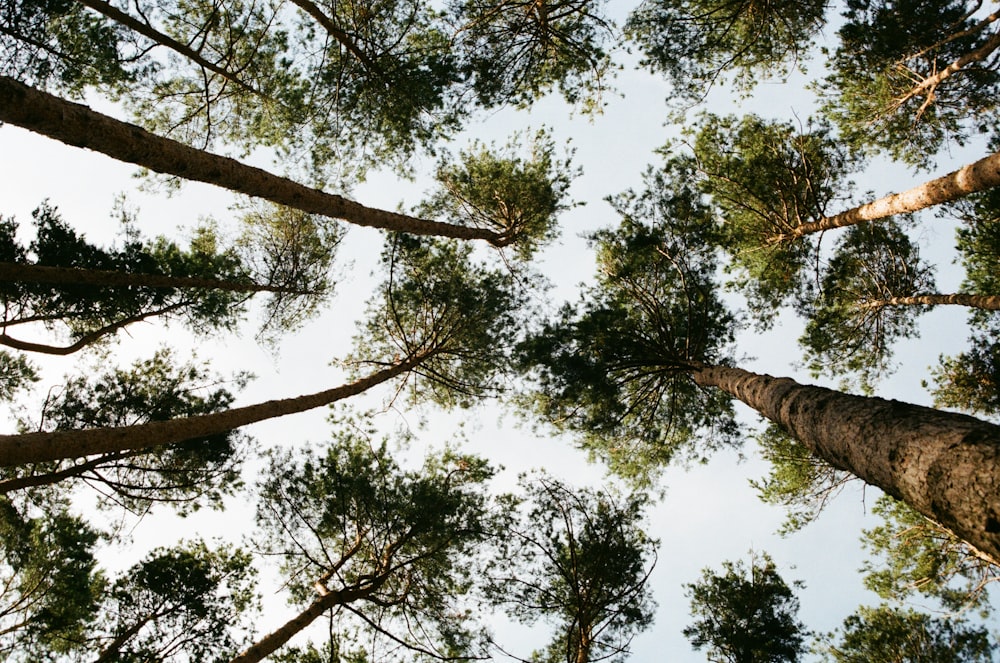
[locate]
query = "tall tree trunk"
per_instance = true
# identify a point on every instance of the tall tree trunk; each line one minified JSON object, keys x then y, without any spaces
{"x":988,"y":302}
{"x":77,"y":125}
{"x":61,"y":444}
{"x":944,"y":465}
{"x":979,"y":176}
{"x":31,"y":273}
{"x":326,"y":600}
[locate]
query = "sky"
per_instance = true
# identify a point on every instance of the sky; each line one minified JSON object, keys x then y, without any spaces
{"x":709,"y":513}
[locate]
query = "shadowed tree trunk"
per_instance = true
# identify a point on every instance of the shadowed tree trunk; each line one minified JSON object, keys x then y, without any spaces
{"x":29,"y":273}
{"x":944,"y":465}
{"x":56,"y":445}
{"x":78,"y":125}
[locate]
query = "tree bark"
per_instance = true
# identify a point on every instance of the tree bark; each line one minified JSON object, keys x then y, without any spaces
{"x":988,"y":302}
{"x":944,"y":465}
{"x":979,"y":176}
{"x":31,"y":273}
{"x":61,"y":444}
{"x":78,"y":125}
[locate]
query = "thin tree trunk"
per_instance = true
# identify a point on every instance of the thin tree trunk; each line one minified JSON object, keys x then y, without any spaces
{"x":979,"y":176}
{"x":274,"y":640}
{"x":89,"y":337}
{"x":944,"y":465}
{"x":988,"y":302}
{"x":931,"y":82}
{"x":57,"y":445}
{"x":146,"y":30}
{"x":342,"y":37}
{"x":31,"y":273}
{"x":77,"y":125}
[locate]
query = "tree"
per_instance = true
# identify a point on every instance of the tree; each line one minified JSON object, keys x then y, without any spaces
{"x":745,"y":615}
{"x":911,"y":76}
{"x":598,"y":362}
{"x":913,"y":554}
{"x":576,"y":557}
{"x":865,"y":302}
{"x":767,"y":180}
{"x":970,"y":380}
{"x":49,"y":581}
{"x":614,"y":368}
{"x":390,"y":549}
{"x":79,"y":126}
{"x":179,"y":603}
{"x":515,"y":51}
{"x":448,"y":321}
{"x":696,"y":43}
{"x":798,"y":480}
{"x":887,"y":635}
{"x":61,"y":281}
{"x":186,"y":474}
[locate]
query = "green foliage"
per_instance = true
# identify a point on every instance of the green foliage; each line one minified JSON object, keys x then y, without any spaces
{"x":516,"y":51}
{"x":695,"y":43}
{"x":911,"y":554}
{"x":798,"y":480}
{"x":180,"y":603}
{"x":16,"y":374}
{"x":970,"y":380}
{"x":460,"y":317}
{"x":577,"y":558}
{"x":744,"y":615}
{"x":767,"y":178}
{"x":60,"y":44}
{"x":85,"y":311}
{"x":49,"y":583}
{"x":291,"y":250}
{"x":887,"y":635}
{"x":401,"y":543}
{"x":517,"y":197}
{"x":377,"y":89}
{"x":978,"y":243}
{"x":887,"y":47}
{"x":613,"y":368}
{"x":852,"y":323}
{"x":187,"y":474}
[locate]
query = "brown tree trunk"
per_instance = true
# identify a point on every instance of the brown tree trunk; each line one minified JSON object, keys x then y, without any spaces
{"x":979,"y":176}
{"x":56,"y":445}
{"x":77,"y":125}
{"x":30,"y":273}
{"x":944,"y":465}
{"x":988,"y":302}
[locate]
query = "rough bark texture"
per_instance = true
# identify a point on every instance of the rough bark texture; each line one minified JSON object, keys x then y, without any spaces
{"x":988,"y":302}
{"x":979,"y":176}
{"x":78,"y":125}
{"x":56,"y":445}
{"x":944,"y":465}
{"x":29,"y":273}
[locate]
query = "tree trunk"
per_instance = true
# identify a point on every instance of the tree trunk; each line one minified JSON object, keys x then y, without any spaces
{"x":61,"y":444}
{"x":77,"y":125}
{"x":274,"y":640}
{"x":944,"y":465}
{"x":31,"y":273}
{"x":988,"y":302}
{"x":979,"y":176}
